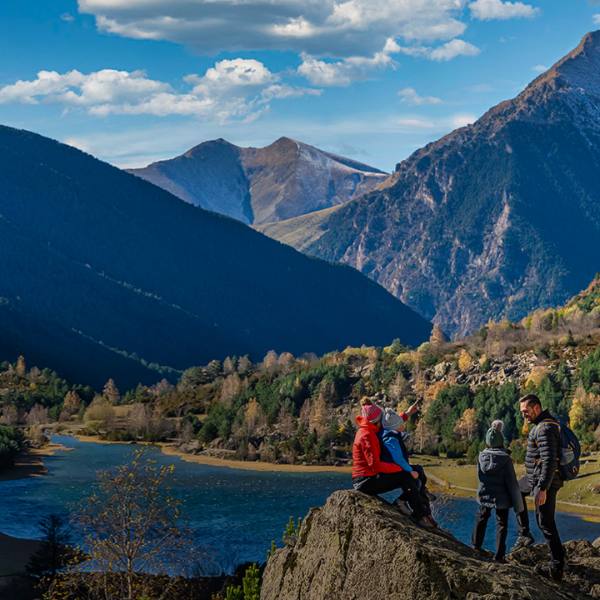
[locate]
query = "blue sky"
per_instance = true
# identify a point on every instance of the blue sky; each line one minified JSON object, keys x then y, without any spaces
{"x":132,"y":81}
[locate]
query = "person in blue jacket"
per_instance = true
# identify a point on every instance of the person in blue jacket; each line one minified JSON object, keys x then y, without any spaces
{"x":393,"y":450}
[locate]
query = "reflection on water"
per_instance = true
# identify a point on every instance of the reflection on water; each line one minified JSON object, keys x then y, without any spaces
{"x":234,"y":514}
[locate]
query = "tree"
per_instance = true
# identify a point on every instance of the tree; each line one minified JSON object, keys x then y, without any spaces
{"x":131,"y":525}
{"x":111,"y":392}
{"x":466,"y":426}
{"x":100,"y":413}
{"x":55,"y":550}
{"x":38,"y":415}
{"x":251,"y":583}
{"x":270,"y":361}
{"x":21,"y":367}
{"x":72,"y":403}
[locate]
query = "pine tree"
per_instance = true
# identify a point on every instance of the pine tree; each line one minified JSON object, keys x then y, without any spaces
{"x":251,"y":583}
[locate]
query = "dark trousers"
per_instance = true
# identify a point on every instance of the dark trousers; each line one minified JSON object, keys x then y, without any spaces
{"x":483,"y":515}
{"x":422,"y":487}
{"x":387,"y":482}
{"x":545,"y":517}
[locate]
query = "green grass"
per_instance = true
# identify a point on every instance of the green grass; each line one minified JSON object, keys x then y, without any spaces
{"x":578,"y":491}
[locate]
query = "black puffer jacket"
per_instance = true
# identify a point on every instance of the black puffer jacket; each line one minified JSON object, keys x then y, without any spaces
{"x":542,"y":460}
{"x":498,"y":486}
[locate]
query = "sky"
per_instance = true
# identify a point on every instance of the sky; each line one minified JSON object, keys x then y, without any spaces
{"x":134,"y":81}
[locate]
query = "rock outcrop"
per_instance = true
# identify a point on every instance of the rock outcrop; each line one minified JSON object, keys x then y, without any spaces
{"x":360,"y":548}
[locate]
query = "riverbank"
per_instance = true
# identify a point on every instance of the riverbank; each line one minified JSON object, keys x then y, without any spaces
{"x":30,"y":463}
{"x":15,"y":554}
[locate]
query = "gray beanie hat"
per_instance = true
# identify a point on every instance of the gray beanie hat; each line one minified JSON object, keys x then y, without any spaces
{"x":494,"y":438}
{"x":391,"y":420}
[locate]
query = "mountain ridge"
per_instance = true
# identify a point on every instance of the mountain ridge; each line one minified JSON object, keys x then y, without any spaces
{"x":493,"y":220}
{"x":285,"y":179}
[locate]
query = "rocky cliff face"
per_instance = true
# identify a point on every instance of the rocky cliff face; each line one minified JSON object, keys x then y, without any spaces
{"x":493,"y":220}
{"x":262,"y":185}
{"x":360,"y":548}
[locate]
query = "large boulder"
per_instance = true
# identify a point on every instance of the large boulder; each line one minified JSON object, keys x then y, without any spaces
{"x":360,"y":548}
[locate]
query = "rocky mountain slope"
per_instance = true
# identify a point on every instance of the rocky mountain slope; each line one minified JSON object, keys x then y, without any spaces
{"x":262,"y":185}
{"x":105,"y":275}
{"x":361,"y":548}
{"x":493,"y":220}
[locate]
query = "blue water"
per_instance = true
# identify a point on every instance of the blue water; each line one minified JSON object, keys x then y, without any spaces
{"x":233,"y":514}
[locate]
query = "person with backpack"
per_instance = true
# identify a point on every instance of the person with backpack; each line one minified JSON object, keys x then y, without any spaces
{"x":543,"y":480}
{"x":498,"y":490}
{"x":414,"y":500}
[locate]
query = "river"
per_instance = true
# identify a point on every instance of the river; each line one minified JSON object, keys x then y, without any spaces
{"x":233,"y":514}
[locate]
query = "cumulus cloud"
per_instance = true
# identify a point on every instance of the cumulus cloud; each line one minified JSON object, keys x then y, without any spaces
{"x":410,"y":96}
{"x":539,"y":68}
{"x":488,"y":10}
{"x":452,"y":49}
{"x":596,"y":19}
{"x":231,"y":89}
{"x":344,"y":72}
{"x":334,"y":28}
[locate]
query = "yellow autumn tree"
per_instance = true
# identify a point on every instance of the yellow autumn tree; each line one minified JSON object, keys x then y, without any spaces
{"x":466,"y":426}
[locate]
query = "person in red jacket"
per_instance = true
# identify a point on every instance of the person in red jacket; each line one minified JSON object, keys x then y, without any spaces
{"x":370,"y":474}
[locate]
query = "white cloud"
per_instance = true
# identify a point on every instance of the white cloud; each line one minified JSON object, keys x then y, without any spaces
{"x":334,"y":28}
{"x":231,"y":89}
{"x":410,"y":96}
{"x":344,"y":72}
{"x":539,"y":68}
{"x":487,"y":10}
{"x":596,"y":19}
{"x":457,"y":121}
{"x":67,"y":17}
{"x":452,"y":49}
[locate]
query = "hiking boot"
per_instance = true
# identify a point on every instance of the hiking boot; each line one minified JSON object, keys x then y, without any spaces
{"x":432,"y":521}
{"x":425,"y":523}
{"x":403,"y":507}
{"x":550,"y":571}
{"x":483,"y":554}
{"x":523,"y":541}
{"x":500,"y":560}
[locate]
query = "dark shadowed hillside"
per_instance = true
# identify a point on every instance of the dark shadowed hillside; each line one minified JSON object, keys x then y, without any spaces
{"x":103,"y":274}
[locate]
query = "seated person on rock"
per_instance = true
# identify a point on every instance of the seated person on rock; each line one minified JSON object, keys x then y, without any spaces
{"x":393,"y":449}
{"x":369,"y":474}
{"x":498,"y":489}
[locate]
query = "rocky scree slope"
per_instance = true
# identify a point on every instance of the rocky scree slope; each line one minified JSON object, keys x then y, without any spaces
{"x":495,"y":219}
{"x":360,"y":548}
{"x":262,"y":185}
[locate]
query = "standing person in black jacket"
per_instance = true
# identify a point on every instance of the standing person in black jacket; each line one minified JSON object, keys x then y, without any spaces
{"x":498,"y":489}
{"x":543,"y":480}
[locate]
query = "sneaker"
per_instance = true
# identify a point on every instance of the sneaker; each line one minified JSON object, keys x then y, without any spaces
{"x":523,"y":541}
{"x":550,"y":571}
{"x":403,"y":507}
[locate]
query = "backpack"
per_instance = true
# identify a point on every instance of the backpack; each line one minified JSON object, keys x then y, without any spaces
{"x":570,"y":453}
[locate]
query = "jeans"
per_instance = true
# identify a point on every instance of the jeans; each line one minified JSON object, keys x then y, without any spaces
{"x":386,"y":482}
{"x":544,"y":515}
{"x":483,"y":515}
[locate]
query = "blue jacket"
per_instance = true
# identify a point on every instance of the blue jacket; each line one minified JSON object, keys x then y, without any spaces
{"x":393,"y":449}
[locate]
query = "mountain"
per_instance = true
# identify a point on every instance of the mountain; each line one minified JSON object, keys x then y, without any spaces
{"x":495,"y":219}
{"x":262,"y":185}
{"x":103,"y":274}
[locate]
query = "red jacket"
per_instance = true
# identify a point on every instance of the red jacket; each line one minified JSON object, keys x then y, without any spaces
{"x":366,"y":452}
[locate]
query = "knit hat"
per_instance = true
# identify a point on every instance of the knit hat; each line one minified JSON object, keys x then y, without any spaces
{"x":498,"y":425}
{"x":494,"y":438}
{"x":371,"y":412}
{"x":391,"y":420}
